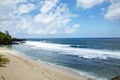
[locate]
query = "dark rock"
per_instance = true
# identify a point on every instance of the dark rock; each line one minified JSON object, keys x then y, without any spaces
{"x":17,"y":41}
{"x":116,"y":78}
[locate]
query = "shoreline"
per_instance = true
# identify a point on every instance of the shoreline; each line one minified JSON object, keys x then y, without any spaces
{"x":70,"y":70}
{"x":46,"y":71}
{"x":63,"y":68}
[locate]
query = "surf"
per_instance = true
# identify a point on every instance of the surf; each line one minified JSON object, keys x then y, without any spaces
{"x":80,"y":52}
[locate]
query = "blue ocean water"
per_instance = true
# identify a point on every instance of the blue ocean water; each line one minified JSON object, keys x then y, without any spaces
{"x":98,"y":57}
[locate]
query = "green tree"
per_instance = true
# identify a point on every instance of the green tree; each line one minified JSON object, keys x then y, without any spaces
{"x":5,"y":38}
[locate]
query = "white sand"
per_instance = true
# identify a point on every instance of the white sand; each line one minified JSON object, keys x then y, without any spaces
{"x":21,"y":68}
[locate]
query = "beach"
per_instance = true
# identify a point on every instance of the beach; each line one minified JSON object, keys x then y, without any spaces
{"x":22,"y":68}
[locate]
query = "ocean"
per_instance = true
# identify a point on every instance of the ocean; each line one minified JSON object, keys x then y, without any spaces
{"x":95,"y":57}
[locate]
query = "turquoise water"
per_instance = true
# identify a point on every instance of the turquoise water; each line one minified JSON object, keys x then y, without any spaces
{"x":99,"y":57}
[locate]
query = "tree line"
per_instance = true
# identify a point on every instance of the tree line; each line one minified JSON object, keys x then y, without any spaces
{"x":5,"y":38}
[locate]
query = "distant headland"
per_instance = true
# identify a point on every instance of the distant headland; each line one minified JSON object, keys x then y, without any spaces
{"x":6,"y":39}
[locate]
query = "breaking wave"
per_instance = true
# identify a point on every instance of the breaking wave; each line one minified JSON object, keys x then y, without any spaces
{"x":81,"y":52}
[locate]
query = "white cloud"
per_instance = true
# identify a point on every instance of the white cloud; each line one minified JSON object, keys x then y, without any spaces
{"x":70,"y":30}
{"x":11,"y":2}
{"x":88,"y":3}
{"x":53,"y":31}
{"x":51,"y":17}
{"x":26,"y":8}
{"x":53,"y":20}
{"x":48,"y":5}
{"x":113,"y":12}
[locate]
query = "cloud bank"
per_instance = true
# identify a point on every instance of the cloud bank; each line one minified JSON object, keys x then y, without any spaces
{"x":50,"y":16}
{"x":29,"y":17}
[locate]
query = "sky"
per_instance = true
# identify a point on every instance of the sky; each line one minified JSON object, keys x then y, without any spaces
{"x":60,"y":18}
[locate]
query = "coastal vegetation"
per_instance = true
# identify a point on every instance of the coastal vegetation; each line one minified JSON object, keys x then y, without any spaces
{"x":3,"y":61}
{"x":5,"y":38}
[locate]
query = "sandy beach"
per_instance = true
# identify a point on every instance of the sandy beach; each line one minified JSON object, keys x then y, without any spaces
{"x":21,"y":68}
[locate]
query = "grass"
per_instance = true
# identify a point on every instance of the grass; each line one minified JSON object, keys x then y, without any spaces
{"x":3,"y":78}
{"x":3,"y":61}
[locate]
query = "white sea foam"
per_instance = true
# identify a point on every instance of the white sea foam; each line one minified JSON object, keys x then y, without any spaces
{"x":81,"y":52}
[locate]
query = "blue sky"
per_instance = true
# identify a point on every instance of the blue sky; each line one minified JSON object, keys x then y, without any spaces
{"x":60,"y":18}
